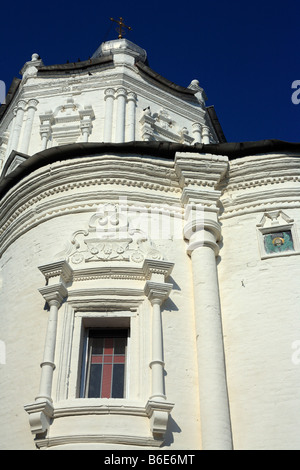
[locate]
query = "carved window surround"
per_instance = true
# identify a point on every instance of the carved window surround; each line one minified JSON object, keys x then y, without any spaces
{"x":78,"y":301}
{"x":66,"y":124}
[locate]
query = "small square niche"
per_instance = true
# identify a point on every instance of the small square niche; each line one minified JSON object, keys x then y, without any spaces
{"x":277,"y":235}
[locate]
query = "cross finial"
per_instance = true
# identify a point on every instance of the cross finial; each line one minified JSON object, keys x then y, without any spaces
{"x":121,"y":26}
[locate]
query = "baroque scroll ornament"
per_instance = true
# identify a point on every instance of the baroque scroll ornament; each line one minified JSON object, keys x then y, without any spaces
{"x":110,"y":236}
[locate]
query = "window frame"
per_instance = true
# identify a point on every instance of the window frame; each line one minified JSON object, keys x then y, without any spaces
{"x":86,"y":364}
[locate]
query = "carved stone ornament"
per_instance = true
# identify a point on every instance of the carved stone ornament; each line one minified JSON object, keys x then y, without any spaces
{"x":110,"y":236}
{"x":160,"y":126}
{"x":67,"y":122}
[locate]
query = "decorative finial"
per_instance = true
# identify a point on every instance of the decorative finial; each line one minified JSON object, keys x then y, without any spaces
{"x":35,"y":57}
{"x":121,"y":26}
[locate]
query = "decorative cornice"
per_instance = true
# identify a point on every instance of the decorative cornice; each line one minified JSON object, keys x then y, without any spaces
{"x":269,"y":199}
{"x":201,"y":170}
{"x":109,"y":272}
{"x":57,"y":269}
{"x":152,"y":266}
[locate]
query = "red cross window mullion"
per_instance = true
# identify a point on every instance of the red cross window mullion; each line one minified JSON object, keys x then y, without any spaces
{"x":108,"y":359}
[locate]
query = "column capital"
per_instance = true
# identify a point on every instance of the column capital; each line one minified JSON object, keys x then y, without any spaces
{"x":131,"y":96}
{"x":203,"y":169}
{"x":121,"y":92}
{"x":32,"y":103}
{"x":198,"y":225}
{"x":54,"y":294}
{"x":21,"y":104}
{"x":109,"y":92}
{"x":202,"y":233}
{"x":157,"y":292}
{"x":196,"y":126}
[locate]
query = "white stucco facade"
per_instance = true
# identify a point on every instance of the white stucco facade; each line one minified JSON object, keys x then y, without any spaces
{"x":122,"y":207}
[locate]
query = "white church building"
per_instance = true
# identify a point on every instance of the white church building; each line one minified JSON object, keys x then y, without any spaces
{"x":149,"y":270}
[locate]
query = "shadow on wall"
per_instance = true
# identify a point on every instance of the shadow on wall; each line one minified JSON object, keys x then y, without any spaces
{"x":172,"y":428}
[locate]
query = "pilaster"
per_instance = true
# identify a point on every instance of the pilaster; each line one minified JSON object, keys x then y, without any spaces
{"x":17,"y":125}
{"x":31,"y":109}
{"x":199,"y":176}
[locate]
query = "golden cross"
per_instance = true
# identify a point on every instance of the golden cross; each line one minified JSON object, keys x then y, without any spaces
{"x":121,"y":26}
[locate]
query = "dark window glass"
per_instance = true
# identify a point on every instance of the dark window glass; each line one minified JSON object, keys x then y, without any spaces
{"x":105,"y":367}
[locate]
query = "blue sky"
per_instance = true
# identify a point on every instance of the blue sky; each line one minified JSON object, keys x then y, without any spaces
{"x":244,"y":54}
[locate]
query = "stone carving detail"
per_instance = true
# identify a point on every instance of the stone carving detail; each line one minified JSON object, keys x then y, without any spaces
{"x":160,"y":126}
{"x":110,"y":236}
{"x":66,"y":124}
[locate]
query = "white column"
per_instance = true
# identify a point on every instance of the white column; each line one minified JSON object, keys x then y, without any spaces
{"x":31,"y":108}
{"x":109,"y":103}
{"x":54,"y":296}
{"x":131,"y":116}
{"x":157,"y":293}
{"x":85,"y":129}
{"x":41,"y":411}
{"x":17,"y":127}
{"x":45,"y":131}
{"x":197,"y":132}
{"x":120,"y":118}
{"x":157,"y":363}
{"x":205,"y":135}
{"x":213,"y":394}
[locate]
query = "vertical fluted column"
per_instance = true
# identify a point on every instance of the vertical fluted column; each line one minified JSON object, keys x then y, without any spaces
{"x":31,"y":109}
{"x":17,"y":127}
{"x":131,"y":116}
{"x":213,"y":395}
{"x":108,"y":119}
{"x":196,"y":127}
{"x":120,"y":117}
